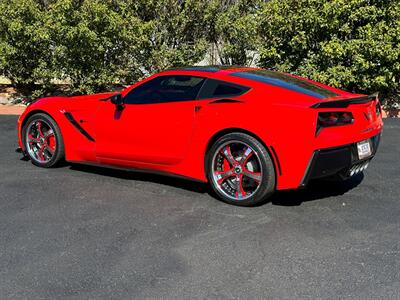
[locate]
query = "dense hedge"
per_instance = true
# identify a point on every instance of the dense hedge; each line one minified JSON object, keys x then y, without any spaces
{"x":93,"y":43}
{"x":353,"y":44}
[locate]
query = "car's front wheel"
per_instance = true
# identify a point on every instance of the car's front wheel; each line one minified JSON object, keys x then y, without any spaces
{"x":240,"y":170}
{"x":43,"y":141}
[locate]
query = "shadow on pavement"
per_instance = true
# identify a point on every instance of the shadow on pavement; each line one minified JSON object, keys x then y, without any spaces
{"x":318,"y":189}
{"x":139,"y":175}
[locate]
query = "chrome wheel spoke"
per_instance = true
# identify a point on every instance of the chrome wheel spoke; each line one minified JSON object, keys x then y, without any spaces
{"x":256,"y":176}
{"x":32,"y":139}
{"x":246,"y":155}
{"x":49,"y":134}
{"x":40,"y":152}
{"x":39,"y":128}
{"x":223,"y":175}
{"x":240,"y":193}
{"x":226,"y":151}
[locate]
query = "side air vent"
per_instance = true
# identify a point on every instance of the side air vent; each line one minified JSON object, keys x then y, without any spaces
{"x":78,"y":127}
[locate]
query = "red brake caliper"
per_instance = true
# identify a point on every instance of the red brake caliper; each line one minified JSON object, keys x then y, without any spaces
{"x":51,"y":142}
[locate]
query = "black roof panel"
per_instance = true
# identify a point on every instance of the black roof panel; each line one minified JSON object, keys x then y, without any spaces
{"x":285,"y":81}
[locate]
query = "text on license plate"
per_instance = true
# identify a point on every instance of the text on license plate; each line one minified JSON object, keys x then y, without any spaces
{"x":364,"y":149}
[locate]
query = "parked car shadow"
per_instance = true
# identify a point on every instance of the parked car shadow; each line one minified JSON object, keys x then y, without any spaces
{"x":139,"y":175}
{"x":316,"y":190}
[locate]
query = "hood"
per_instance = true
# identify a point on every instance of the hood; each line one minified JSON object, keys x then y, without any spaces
{"x":91,"y":96}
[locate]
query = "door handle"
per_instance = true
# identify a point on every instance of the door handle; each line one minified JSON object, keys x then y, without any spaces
{"x":225,"y":100}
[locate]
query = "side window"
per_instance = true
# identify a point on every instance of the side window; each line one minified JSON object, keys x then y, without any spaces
{"x":166,"y":89}
{"x":223,"y":89}
{"x":217,"y":89}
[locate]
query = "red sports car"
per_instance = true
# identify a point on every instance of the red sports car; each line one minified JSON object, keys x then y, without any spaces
{"x":246,"y":131}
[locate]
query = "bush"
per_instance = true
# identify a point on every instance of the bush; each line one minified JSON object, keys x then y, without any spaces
{"x":351,"y":44}
{"x":174,"y":31}
{"x":232,"y":30}
{"x":25,"y":55}
{"x":91,"y":44}
{"x":91,"y":40}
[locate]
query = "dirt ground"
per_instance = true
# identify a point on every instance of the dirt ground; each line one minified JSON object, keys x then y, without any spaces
{"x":11,"y":109}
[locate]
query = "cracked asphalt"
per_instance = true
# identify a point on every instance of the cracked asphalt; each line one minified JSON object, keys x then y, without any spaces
{"x":90,"y":233}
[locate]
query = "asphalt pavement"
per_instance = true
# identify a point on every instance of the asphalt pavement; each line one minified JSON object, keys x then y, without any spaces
{"x":79,"y":232}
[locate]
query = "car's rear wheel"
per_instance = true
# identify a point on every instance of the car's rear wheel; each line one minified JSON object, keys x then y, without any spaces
{"x":43,"y":141}
{"x":240,"y":170}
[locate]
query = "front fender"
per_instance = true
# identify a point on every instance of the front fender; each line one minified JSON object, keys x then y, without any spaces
{"x":44,"y":105}
{"x":76,"y":146}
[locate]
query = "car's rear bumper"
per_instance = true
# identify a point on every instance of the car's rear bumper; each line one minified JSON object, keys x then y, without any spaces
{"x":342,"y":161}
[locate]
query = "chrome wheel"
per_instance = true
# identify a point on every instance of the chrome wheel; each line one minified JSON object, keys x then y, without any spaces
{"x":40,"y":141}
{"x":236,"y":170}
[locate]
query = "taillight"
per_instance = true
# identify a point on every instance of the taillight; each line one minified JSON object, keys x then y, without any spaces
{"x":327,"y":119}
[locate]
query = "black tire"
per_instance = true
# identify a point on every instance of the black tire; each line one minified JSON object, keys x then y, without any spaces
{"x":59,"y":152}
{"x":265,"y":187}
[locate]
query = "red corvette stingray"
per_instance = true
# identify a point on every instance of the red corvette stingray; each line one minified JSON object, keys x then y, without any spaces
{"x":246,"y":131}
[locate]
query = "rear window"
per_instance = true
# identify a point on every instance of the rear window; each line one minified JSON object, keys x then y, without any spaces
{"x":223,"y":90}
{"x":287,"y":82}
{"x":213,"y":88}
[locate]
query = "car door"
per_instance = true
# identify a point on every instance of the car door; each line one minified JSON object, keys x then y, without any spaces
{"x":154,"y":125}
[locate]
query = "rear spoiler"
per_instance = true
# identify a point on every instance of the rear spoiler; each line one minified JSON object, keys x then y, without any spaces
{"x":342,"y":103}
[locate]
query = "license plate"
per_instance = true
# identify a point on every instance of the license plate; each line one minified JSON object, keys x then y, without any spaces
{"x":364,"y":149}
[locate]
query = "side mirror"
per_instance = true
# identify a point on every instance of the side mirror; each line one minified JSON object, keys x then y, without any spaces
{"x":117,"y":100}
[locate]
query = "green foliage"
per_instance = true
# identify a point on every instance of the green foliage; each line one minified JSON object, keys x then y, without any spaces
{"x":232,"y":29}
{"x":92,"y":40}
{"x":95,"y":43}
{"x":174,"y":31}
{"x":25,"y":57}
{"x":351,"y":44}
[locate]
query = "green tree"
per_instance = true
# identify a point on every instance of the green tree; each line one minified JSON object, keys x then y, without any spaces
{"x":232,"y":30}
{"x":93,"y":41}
{"x":174,"y":31}
{"x":25,"y":44}
{"x":351,"y":44}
